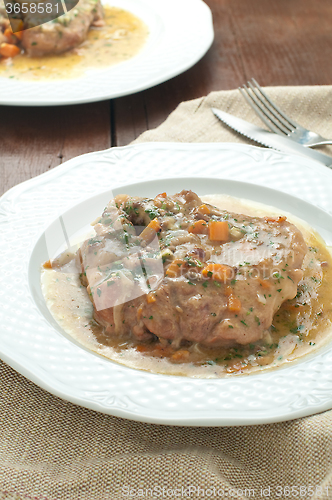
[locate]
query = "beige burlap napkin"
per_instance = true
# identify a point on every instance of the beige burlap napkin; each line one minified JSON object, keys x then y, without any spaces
{"x":54,"y":450}
{"x":193,"y":121}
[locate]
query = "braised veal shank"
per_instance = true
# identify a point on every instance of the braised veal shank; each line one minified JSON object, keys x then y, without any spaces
{"x":177,"y":270}
{"x":63,"y":33}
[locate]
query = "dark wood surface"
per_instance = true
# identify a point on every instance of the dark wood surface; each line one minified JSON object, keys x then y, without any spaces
{"x":283,"y":42}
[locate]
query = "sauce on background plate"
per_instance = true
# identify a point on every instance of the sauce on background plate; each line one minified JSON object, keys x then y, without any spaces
{"x":121,"y":39}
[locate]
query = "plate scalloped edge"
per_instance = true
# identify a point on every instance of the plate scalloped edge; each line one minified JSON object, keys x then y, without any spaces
{"x":31,"y":346}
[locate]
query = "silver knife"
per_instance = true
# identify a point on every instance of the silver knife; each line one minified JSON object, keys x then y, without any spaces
{"x":269,"y":139}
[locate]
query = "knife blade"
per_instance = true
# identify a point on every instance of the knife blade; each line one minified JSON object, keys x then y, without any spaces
{"x":269,"y":139}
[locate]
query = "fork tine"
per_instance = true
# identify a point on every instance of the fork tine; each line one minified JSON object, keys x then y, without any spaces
{"x":256,"y":106}
{"x":274,"y":106}
{"x":273,"y":119}
{"x":271,"y":111}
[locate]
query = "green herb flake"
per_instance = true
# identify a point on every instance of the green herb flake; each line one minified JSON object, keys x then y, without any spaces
{"x":296,"y":329}
{"x":210,"y":362}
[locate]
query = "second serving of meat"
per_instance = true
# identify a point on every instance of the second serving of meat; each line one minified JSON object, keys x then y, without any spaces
{"x":38,"y":35}
{"x":175,"y":270}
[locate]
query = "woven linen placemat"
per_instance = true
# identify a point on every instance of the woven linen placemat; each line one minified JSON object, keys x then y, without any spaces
{"x":54,"y":450}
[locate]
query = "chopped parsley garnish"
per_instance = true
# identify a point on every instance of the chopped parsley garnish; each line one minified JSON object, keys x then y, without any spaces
{"x":152,"y":213}
{"x":297,"y":329}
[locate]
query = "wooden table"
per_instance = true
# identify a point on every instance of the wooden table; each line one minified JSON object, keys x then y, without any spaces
{"x":279,"y":42}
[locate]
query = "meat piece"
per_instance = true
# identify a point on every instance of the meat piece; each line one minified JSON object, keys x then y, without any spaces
{"x":61,"y":34}
{"x":215,"y":292}
{"x":4,"y":22}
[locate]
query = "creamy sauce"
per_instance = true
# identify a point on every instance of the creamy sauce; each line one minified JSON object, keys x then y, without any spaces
{"x":122,"y":38}
{"x":299,"y":327}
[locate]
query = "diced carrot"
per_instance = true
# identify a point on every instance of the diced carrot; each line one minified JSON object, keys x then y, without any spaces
{"x":198,"y":227}
{"x":228,"y":291}
{"x":17,"y":25}
{"x":175,"y":268}
{"x":203,"y":209}
{"x":9,"y":35}
{"x":19,"y":35}
{"x":47,"y":265}
{"x":150,"y":231}
{"x":218,"y":230}
{"x":281,"y":218}
{"x":234,"y":304}
{"x":264,"y":283}
{"x":163,"y":195}
{"x":180,"y":356}
{"x":142,"y":348}
{"x":218,"y":272}
{"x":150,"y":298}
{"x":154,"y":224}
{"x":9,"y":50}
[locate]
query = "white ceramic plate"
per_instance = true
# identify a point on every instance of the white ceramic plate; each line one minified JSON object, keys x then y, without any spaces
{"x":31,"y":341}
{"x":180,"y":33}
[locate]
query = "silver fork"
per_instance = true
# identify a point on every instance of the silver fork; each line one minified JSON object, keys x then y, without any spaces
{"x":276,"y":119}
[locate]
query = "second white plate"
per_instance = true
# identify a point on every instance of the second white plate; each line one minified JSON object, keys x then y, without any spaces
{"x":180,"y":32}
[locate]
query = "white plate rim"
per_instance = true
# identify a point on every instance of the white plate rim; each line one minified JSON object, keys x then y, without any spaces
{"x":173,"y":47}
{"x":319,"y":399}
